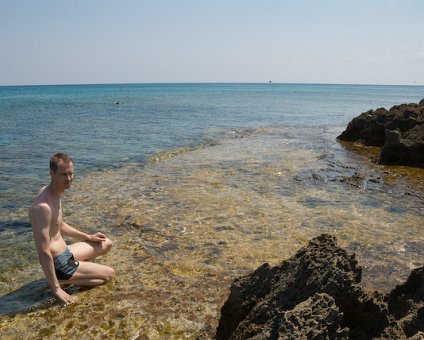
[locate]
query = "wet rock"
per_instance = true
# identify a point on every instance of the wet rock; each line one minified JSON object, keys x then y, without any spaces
{"x":354,"y":180}
{"x":398,"y":131}
{"x":317,"y":295}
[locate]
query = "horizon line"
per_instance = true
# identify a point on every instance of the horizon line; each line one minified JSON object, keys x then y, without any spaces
{"x":270,"y":82}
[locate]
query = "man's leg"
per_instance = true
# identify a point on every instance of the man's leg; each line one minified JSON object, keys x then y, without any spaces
{"x":91,"y":274}
{"x":84,"y":251}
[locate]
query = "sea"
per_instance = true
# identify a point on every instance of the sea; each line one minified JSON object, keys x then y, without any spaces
{"x":196,"y":184}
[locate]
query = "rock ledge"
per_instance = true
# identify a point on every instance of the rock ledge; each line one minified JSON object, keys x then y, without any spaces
{"x":399,"y":132}
{"x":317,"y":295}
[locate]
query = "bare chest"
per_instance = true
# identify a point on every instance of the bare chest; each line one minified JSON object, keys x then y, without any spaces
{"x":57,"y":218}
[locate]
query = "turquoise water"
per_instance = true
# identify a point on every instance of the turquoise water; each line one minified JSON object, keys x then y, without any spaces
{"x":196,"y":184}
{"x":87,"y":121}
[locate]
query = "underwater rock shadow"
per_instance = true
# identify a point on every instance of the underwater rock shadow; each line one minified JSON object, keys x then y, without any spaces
{"x":30,"y":297}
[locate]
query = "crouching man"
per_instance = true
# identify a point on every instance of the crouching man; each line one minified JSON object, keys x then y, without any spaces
{"x":65,"y":264}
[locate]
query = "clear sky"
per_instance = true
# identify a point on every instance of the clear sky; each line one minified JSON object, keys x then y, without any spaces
{"x":144,"y":41}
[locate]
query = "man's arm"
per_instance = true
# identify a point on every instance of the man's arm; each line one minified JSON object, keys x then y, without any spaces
{"x":40,"y":228}
{"x":79,"y":235}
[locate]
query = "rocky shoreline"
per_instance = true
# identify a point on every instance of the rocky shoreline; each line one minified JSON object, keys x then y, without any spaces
{"x":317,"y":294}
{"x":399,"y":132}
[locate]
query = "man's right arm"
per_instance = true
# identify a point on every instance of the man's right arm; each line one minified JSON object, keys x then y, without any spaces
{"x":41,"y":230}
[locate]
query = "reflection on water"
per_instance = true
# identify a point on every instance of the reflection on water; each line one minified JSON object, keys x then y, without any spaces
{"x":192,"y":220}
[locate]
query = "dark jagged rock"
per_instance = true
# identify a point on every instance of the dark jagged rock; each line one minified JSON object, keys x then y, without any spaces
{"x":321,"y":310}
{"x":406,"y":303}
{"x":317,"y":295}
{"x":399,"y":132}
{"x":405,"y":149}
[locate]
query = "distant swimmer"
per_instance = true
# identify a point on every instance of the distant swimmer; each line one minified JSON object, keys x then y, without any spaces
{"x":65,"y":264}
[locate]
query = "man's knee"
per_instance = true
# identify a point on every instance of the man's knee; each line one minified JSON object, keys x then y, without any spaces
{"x":109,"y":274}
{"x":106,"y":245}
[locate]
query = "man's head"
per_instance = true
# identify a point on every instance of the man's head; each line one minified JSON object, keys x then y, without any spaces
{"x":61,"y":171}
{"x":55,"y":159}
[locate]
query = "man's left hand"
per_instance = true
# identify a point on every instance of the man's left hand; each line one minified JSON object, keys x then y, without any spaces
{"x":97,"y":237}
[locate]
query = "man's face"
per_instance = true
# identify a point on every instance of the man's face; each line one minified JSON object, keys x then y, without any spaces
{"x":64,"y":175}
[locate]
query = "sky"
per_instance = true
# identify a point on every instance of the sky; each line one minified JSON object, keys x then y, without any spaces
{"x":196,"y":41}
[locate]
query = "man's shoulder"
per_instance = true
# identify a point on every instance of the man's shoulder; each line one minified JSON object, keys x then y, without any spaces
{"x":42,"y":197}
{"x":40,"y":209}
{"x":41,"y":204}
{"x":42,"y":193}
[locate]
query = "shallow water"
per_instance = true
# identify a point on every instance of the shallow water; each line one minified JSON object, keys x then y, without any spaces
{"x":190,"y":220}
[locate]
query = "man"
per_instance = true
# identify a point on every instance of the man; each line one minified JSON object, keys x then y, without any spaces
{"x":64,"y":264}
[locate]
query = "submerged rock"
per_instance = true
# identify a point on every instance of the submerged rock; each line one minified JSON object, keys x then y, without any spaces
{"x":317,"y":295}
{"x":398,"y":131}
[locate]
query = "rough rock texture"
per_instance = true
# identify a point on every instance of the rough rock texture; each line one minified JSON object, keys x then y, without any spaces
{"x":399,"y":132}
{"x":316,"y":317}
{"x":317,"y":295}
{"x":406,"y":303}
{"x":404,"y":148}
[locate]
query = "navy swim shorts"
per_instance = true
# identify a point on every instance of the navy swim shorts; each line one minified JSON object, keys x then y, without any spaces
{"x":65,"y":265}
